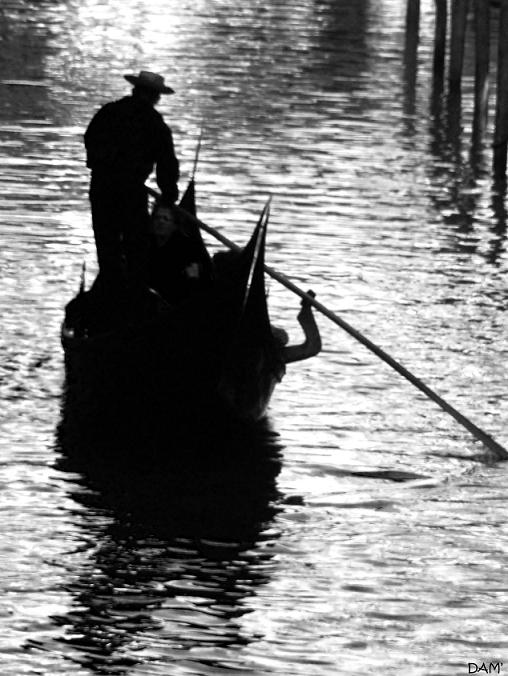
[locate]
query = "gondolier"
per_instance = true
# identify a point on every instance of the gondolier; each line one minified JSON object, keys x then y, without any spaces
{"x":124,"y":141}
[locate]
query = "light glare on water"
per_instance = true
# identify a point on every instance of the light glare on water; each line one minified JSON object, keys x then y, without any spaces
{"x":379,"y":544}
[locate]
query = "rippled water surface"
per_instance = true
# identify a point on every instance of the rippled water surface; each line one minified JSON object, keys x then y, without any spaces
{"x":366,"y":534}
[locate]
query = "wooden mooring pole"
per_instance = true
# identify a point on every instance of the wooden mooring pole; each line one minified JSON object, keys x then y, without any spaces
{"x":482,"y":64}
{"x":411,"y":43}
{"x":457,"y":41}
{"x":412,"y":22}
{"x":438,"y":64}
{"x":458,"y":25}
{"x":501,"y":131}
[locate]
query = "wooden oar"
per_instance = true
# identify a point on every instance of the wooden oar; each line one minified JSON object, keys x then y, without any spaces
{"x":482,"y":436}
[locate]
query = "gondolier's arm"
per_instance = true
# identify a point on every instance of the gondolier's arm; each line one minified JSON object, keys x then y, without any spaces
{"x":312,"y":344}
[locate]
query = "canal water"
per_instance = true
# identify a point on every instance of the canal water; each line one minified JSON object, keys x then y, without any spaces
{"x":368,"y":535}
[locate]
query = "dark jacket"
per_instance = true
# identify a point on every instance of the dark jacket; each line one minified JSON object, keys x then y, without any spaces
{"x":124,"y":140}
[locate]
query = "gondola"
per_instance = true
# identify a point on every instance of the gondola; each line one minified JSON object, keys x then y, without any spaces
{"x":203,"y":353}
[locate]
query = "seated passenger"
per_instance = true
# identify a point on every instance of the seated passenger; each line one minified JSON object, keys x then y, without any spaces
{"x":179,"y":264}
{"x":312,"y":343}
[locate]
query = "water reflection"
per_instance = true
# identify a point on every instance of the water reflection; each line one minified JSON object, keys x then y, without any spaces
{"x":500,"y":219}
{"x":186,"y":543}
{"x":457,"y":202}
{"x":410,"y":60}
{"x":465,"y":173}
{"x":28,"y":44}
{"x":115,"y":565}
{"x":461,"y":169}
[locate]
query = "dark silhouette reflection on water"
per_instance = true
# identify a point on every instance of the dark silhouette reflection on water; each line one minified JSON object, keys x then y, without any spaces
{"x":460,"y":168}
{"x":185,"y":544}
{"x":460,"y":161}
{"x":498,"y":202}
{"x":461,"y":165}
{"x":457,"y":202}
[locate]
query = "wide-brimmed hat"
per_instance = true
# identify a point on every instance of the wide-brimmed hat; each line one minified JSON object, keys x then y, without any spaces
{"x":150,"y":81}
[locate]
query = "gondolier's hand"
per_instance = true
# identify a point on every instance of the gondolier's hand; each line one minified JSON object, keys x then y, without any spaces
{"x":306,"y":307}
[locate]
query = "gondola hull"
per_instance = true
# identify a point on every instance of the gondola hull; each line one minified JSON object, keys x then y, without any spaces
{"x":163,"y":372}
{"x":212,"y":356}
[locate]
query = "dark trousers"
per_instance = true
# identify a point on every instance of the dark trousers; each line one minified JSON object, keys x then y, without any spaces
{"x":121,"y":228}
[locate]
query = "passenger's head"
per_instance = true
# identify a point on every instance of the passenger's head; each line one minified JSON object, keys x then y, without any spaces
{"x":164,"y":224}
{"x":226,"y":264}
